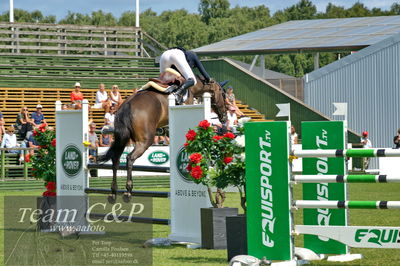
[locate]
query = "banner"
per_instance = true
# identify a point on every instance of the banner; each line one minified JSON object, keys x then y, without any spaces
{"x":324,"y":135}
{"x":267,"y":190}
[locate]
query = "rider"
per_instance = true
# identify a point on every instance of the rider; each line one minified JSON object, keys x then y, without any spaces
{"x":183,"y":61}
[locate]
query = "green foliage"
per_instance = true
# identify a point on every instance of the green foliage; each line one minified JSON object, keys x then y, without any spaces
{"x":29,"y":17}
{"x":213,"y":9}
{"x":44,"y":159}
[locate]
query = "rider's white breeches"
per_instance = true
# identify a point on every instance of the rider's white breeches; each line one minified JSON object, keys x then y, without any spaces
{"x":177,"y":58}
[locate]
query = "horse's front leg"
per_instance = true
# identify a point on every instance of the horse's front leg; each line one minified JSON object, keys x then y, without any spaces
{"x":140,"y":148}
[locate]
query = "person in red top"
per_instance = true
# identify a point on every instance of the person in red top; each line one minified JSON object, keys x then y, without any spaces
{"x":77,"y":96}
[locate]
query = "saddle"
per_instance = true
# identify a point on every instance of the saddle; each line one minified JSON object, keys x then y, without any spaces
{"x":168,"y":78}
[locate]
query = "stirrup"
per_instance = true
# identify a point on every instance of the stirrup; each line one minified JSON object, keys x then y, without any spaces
{"x":171,"y":89}
{"x":178,"y":99}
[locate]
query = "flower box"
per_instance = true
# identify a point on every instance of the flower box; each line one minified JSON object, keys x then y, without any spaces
{"x":45,"y":204}
{"x":213,"y":228}
{"x":236,"y":235}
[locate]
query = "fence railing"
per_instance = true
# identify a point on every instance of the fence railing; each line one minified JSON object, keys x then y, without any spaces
{"x":10,"y":162}
{"x":35,"y":38}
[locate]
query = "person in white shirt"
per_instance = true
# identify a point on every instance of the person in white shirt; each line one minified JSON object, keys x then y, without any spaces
{"x":109,"y":117}
{"x":214,"y":121}
{"x":367,"y":145}
{"x":10,"y":141}
{"x":294,"y":138}
{"x":102,"y":99}
{"x":232,"y":119}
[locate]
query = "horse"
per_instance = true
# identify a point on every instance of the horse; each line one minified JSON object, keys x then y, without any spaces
{"x":137,"y":120}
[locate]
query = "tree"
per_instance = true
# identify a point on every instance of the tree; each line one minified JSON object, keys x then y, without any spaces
{"x":76,"y":18}
{"x":333,"y":11}
{"x":395,"y":9}
{"x":213,"y":9}
{"x":285,"y":65}
{"x":99,"y":18}
{"x":304,"y":9}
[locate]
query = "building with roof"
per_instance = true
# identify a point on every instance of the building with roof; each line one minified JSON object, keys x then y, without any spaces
{"x":367,"y":80}
{"x":316,"y":35}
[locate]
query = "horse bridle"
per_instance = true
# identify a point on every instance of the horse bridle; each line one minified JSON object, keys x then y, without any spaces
{"x":212,"y":92}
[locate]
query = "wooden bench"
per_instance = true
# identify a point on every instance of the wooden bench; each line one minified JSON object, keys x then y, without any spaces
{"x":12,"y":99}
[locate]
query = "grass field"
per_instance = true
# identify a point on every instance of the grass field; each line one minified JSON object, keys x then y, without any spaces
{"x":180,"y":255}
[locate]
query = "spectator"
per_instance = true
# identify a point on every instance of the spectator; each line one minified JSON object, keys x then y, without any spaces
{"x":161,"y":140}
{"x":232,"y":119}
{"x":366,"y":144}
{"x":231,"y":101}
{"x":294,"y":138}
{"x":102,"y":99}
{"x":38,"y":117}
{"x":23,"y":122}
{"x":105,"y":140}
{"x":77,"y":96}
{"x":116,"y":98}
{"x":94,"y":142}
{"x":32,"y":143}
{"x":10,"y":141}
{"x":214,"y":121}
{"x":396,"y":139}
{"x":109,"y":117}
{"x":2,"y":129}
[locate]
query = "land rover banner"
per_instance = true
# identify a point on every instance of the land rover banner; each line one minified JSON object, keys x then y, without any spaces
{"x":324,"y":135}
{"x":267,"y":190}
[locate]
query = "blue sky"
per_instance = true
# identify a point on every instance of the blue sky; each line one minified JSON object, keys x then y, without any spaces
{"x":117,"y":7}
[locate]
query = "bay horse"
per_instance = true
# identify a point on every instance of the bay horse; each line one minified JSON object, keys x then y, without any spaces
{"x":137,"y":120}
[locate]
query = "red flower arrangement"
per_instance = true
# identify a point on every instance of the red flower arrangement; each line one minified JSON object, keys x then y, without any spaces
{"x":44,"y":159}
{"x":214,"y":160}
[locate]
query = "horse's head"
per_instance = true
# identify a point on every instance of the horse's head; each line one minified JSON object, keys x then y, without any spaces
{"x":218,"y":100}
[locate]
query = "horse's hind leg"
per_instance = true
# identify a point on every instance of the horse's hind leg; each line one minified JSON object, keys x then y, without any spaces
{"x":114,"y":185}
{"x":140,"y":148}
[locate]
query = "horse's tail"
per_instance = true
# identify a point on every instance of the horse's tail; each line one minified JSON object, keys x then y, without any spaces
{"x":117,"y":146}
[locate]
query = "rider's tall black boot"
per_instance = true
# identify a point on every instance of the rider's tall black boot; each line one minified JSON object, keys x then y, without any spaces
{"x":180,"y":92}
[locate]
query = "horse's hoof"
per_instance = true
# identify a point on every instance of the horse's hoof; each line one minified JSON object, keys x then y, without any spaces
{"x":127,"y":197}
{"x":112,"y":198}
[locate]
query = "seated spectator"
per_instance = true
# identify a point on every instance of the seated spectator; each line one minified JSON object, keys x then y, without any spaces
{"x":77,"y":96}
{"x":23,"y":122}
{"x":94,"y":142}
{"x":2,"y":129}
{"x":161,"y":140}
{"x":38,"y":117}
{"x":105,"y":139}
{"x":214,"y":121}
{"x":10,"y":141}
{"x":109,"y":118}
{"x":231,"y":101}
{"x":115,"y":95}
{"x":32,"y":143}
{"x":232,"y":119}
{"x":102,"y":99}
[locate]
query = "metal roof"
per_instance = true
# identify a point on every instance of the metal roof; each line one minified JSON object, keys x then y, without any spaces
{"x":309,"y":35}
{"x":257,"y":70}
